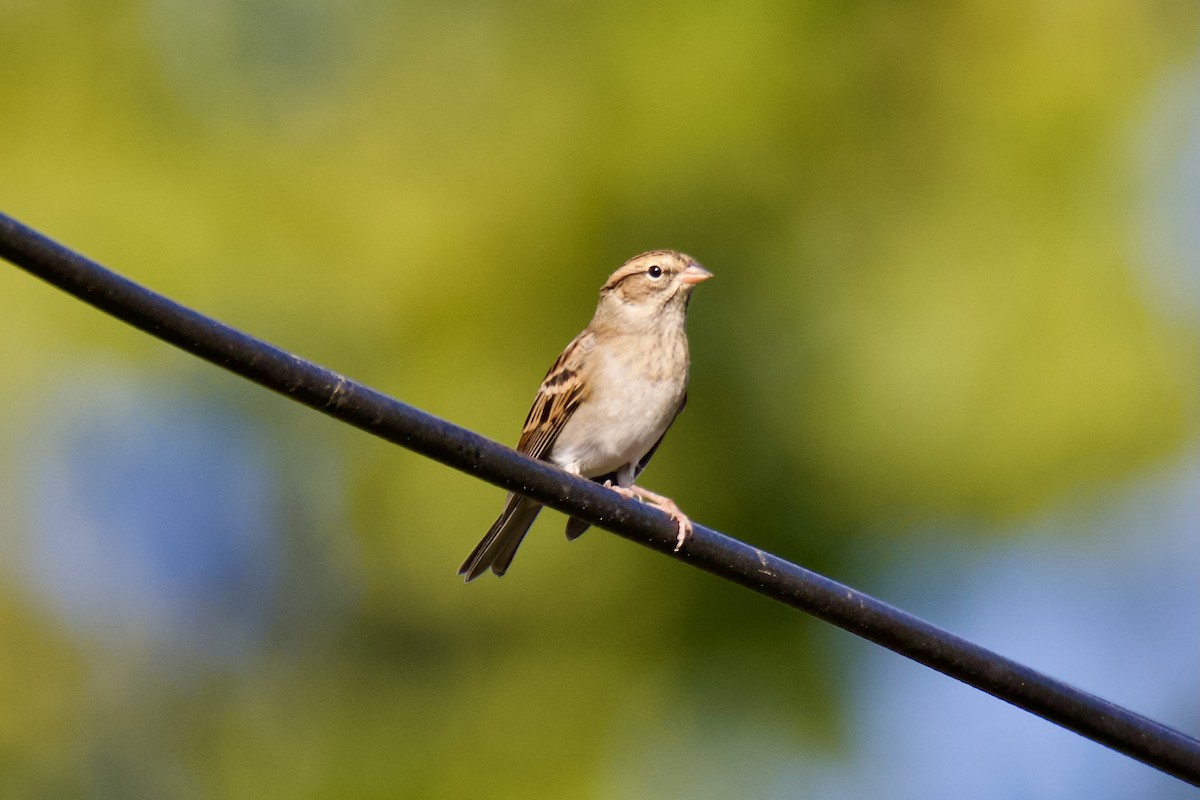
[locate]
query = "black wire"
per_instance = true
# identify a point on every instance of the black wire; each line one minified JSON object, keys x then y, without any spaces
{"x":330,"y":393}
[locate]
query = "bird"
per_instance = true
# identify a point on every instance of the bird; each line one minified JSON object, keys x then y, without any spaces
{"x":607,"y":401}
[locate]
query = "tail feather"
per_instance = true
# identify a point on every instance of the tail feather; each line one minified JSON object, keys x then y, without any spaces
{"x":500,"y":543}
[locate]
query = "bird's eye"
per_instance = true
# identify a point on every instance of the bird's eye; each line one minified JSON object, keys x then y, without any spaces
{"x":655,"y":271}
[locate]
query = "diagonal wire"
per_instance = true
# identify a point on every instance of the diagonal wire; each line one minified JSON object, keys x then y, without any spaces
{"x":1157,"y":745}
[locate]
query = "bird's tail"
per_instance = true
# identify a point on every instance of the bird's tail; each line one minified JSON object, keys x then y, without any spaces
{"x":500,"y":543}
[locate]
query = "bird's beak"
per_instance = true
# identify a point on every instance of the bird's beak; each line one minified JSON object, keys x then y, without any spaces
{"x":695,"y":274}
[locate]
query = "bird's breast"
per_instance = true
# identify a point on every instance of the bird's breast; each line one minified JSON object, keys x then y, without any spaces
{"x":635,"y":395}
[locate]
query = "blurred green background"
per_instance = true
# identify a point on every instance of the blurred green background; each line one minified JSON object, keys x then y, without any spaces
{"x":955,"y":290}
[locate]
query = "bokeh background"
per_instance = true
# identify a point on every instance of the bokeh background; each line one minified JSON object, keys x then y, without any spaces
{"x":951,"y":356}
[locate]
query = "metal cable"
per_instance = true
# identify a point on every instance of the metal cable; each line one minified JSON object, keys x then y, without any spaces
{"x":337,"y":396}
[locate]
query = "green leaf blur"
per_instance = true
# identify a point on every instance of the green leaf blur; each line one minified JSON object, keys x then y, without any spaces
{"x":928,"y":305}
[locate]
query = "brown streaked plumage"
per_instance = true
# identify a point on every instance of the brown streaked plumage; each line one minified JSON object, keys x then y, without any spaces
{"x":609,"y":398}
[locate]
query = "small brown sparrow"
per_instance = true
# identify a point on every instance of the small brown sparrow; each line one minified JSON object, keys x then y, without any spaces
{"x":606,"y":403}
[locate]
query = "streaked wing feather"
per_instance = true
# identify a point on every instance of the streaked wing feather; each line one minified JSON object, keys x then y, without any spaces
{"x":559,"y":395}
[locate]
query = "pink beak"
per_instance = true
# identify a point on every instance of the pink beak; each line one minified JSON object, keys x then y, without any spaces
{"x":695,"y":274}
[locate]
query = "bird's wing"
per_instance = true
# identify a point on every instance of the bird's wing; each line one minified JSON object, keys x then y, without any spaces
{"x":561,"y":392}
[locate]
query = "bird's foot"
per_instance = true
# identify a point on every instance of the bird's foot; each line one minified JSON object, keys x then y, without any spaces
{"x":662,"y":503}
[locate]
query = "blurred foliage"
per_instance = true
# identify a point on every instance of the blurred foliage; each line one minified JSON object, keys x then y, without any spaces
{"x":927,"y":305}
